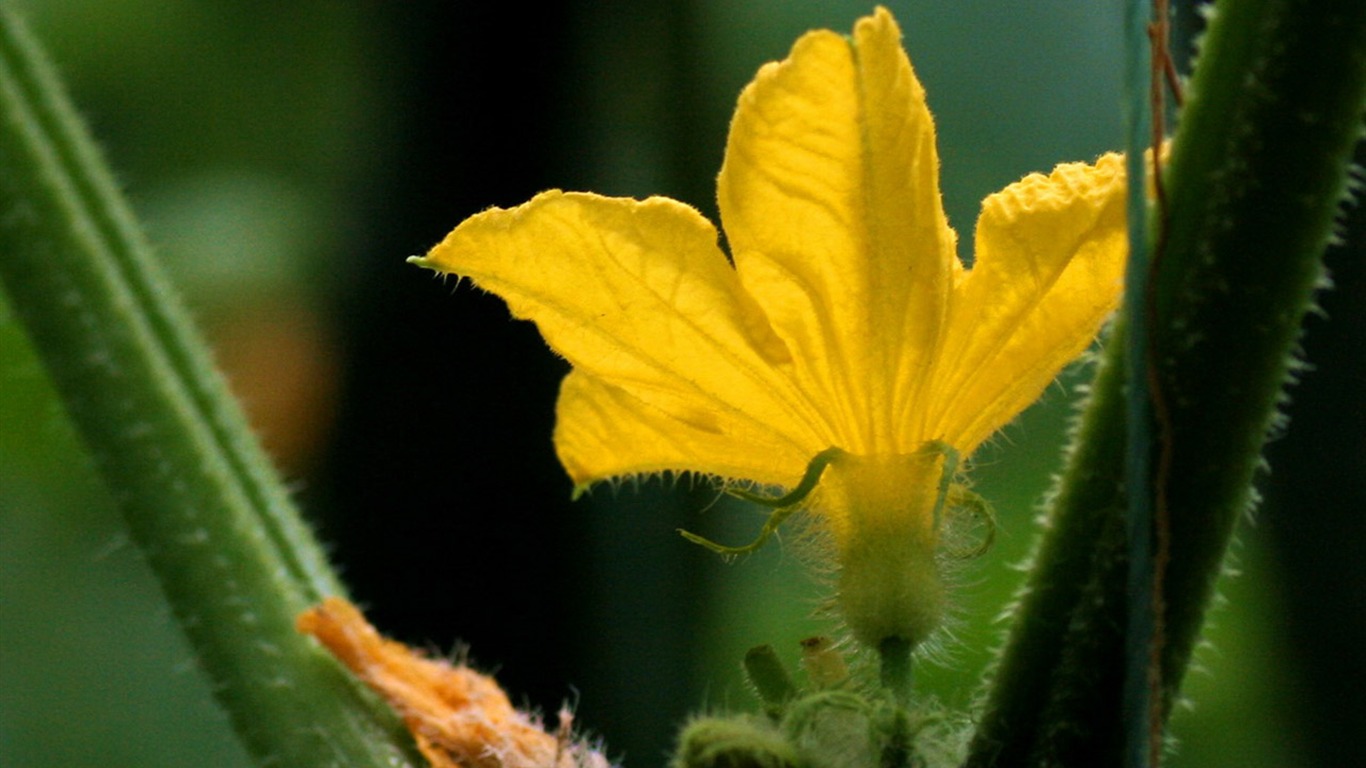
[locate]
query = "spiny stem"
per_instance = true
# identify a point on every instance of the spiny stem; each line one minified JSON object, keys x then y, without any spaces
{"x":1256,"y":175}
{"x":233,"y":556}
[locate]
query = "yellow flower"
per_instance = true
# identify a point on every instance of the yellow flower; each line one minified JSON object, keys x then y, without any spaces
{"x":843,"y":318}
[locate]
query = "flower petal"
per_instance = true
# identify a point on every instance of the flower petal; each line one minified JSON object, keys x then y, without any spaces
{"x":1049,"y":271}
{"x":637,"y":295}
{"x":830,"y":200}
{"x":604,"y":431}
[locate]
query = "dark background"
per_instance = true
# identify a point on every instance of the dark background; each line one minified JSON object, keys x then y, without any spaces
{"x":287,"y":157}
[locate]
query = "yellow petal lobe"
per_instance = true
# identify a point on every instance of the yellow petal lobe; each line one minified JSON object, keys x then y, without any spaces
{"x":829,"y":195}
{"x":603,"y":431}
{"x":1049,"y":271}
{"x":637,"y":293}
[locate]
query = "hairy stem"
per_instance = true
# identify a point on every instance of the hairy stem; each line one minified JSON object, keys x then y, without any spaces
{"x":1257,"y":172}
{"x":233,"y":556}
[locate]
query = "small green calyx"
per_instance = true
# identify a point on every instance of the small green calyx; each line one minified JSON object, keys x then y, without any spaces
{"x":739,"y":742}
{"x":829,"y":720}
{"x":835,"y":728}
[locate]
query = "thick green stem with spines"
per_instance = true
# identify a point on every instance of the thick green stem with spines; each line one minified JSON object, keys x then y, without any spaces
{"x":1255,"y":177}
{"x":229,"y":548}
{"x":1256,"y":181}
{"x":1088,"y":508}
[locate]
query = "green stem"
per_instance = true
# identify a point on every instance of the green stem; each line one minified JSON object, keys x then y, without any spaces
{"x":1088,"y":508}
{"x":229,"y":548}
{"x":1256,"y":180}
{"x":1256,"y":175}
{"x":894,"y":655}
{"x":1142,"y":623}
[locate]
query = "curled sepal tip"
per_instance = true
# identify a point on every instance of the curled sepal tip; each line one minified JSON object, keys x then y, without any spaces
{"x":783,"y":506}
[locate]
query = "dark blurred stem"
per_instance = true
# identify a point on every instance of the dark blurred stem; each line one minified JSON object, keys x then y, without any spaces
{"x":1088,"y":509}
{"x":233,"y":556}
{"x":1255,"y":178}
{"x":895,"y":656}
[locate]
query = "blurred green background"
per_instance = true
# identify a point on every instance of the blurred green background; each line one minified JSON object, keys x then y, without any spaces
{"x":286,"y":157}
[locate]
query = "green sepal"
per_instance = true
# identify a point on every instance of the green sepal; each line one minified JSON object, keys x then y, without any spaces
{"x":765,"y":671}
{"x":783,"y":506}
